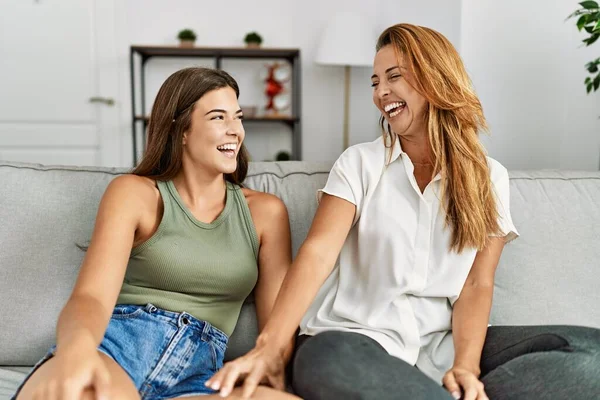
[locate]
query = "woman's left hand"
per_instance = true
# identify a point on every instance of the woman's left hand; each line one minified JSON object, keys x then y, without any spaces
{"x":464,"y":384}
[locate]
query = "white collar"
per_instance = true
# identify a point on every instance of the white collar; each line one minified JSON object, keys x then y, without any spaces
{"x":397,"y":152}
{"x":396,"y":149}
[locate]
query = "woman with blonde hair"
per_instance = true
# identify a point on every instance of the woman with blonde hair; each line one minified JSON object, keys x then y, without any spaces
{"x":419,"y":219}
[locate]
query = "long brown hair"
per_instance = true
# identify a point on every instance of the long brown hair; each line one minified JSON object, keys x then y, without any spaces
{"x":171,"y":118}
{"x":454,"y":118}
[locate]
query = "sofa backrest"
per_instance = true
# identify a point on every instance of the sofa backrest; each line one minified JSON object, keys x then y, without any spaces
{"x":548,"y":275}
{"x":551,"y":273}
{"x":45,"y":211}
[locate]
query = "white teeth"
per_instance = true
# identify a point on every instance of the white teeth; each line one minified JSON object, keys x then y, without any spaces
{"x":394,"y":113}
{"x":391,"y":106}
{"x":228,"y":146}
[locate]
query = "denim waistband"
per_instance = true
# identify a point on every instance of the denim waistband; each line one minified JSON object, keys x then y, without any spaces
{"x":205,"y":328}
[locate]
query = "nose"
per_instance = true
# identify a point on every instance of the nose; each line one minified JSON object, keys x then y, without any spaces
{"x":233,"y":132}
{"x":235,"y":128}
{"x":382,"y":90}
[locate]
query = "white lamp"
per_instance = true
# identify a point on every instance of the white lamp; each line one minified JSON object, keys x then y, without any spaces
{"x":349,"y":41}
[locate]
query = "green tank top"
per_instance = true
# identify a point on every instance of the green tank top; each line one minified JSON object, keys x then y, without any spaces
{"x":207,"y":270}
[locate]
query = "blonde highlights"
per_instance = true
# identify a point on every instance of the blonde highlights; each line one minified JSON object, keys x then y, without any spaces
{"x":454,"y":117}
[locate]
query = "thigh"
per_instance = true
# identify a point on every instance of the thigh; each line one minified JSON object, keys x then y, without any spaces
{"x":121,"y":385}
{"x":261,"y":393}
{"x":542,"y":362}
{"x":342,"y":365}
{"x":505,"y":343}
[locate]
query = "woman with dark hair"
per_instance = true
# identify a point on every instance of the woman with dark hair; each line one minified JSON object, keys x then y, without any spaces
{"x":177,"y":247}
{"x":418,"y":220}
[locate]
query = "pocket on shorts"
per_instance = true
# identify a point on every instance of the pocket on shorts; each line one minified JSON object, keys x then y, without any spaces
{"x":123,"y":311}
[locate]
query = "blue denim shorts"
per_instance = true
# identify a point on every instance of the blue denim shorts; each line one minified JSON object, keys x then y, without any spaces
{"x":166,"y":354}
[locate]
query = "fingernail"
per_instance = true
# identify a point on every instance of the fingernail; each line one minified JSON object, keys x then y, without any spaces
{"x":456,"y":395}
{"x":224,"y":393}
{"x":215,"y":386}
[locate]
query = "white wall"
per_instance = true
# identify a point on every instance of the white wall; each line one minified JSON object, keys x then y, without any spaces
{"x":282,"y":23}
{"x":442,"y":15}
{"x":526,"y":63}
{"x":527,"y":66}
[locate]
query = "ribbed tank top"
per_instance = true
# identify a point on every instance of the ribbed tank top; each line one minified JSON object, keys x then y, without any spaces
{"x":207,"y":270}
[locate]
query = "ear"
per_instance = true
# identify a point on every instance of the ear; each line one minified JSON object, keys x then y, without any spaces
{"x":185,"y":134}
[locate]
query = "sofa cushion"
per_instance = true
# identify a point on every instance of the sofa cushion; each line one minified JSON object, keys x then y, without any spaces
{"x":46,"y":210}
{"x":10,"y":379}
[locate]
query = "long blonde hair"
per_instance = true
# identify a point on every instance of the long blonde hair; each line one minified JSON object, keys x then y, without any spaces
{"x":454,"y":117}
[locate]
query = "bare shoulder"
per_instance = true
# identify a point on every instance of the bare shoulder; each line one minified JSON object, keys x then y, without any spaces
{"x":264,"y":205}
{"x":130,"y":181}
{"x":131,"y":190}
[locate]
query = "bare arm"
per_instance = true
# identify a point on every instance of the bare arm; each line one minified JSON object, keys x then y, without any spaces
{"x":275,"y":255}
{"x":471,"y":314}
{"x":85,"y":316}
{"x":315,"y":261}
{"x":472,"y":309}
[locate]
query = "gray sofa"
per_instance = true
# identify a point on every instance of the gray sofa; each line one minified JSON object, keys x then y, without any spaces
{"x":550,"y":275}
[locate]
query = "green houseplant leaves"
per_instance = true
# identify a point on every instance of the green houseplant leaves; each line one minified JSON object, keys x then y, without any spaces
{"x":588,"y":19}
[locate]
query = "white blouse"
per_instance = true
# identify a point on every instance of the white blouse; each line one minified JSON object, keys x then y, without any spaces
{"x":397,"y":280}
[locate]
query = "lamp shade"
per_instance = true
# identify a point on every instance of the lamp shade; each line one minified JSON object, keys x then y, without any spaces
{"x":348,"y":39}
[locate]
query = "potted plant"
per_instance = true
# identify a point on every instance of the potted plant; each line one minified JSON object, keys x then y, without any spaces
{"x":283,"y":156}
{"x":253,"y":40}
{"x":186,"y":37}
{"x":589,"y":20}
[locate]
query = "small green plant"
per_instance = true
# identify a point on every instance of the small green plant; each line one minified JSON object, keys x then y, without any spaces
{"x":283,"y":156}
{"x":589,"y":20}
{"x":187,"y":34}
{"x":253,"y":37}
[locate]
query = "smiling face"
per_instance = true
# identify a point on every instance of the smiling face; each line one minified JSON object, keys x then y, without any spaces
{"x":216,"y":132}
{"x":400,"y":104}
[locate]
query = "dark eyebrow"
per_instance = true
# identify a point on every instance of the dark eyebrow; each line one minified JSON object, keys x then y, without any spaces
{"x":386,"y":71}
{"x":219,"y":110}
